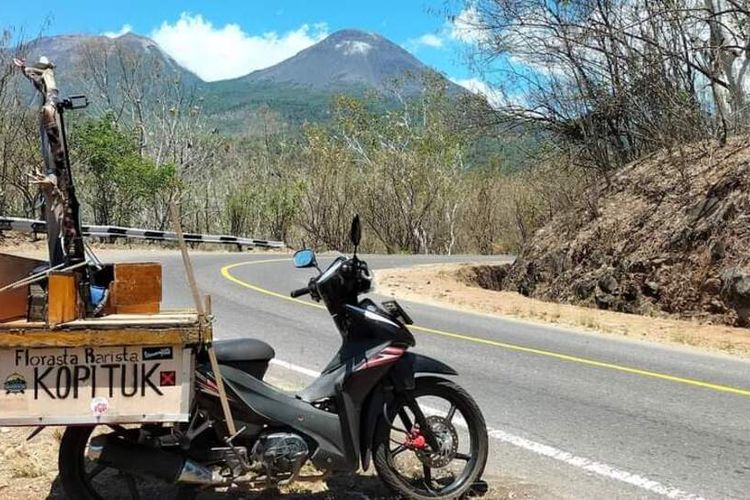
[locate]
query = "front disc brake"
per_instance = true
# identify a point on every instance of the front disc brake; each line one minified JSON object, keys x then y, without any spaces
{"x":447,"y":438}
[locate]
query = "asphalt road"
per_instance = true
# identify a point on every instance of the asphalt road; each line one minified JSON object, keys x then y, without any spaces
{"x":572,"y":414}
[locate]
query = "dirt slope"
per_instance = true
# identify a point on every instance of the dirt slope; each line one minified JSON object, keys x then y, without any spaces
{"x":669,"y":235}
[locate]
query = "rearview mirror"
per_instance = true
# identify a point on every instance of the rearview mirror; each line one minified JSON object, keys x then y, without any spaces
{"x":356,"y":232}
{"x":304,"y":258}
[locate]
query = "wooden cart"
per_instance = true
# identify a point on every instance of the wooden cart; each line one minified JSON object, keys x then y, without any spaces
{"x":116,"y":368}
{"x":82,"y":343}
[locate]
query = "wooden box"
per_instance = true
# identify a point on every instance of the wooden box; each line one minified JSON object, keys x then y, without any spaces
{"x":62,"y":298}
{"x":13,"y":303}
{"x":117,"y":368}
{"x":135,"y":288}
{"x":122,"y":368}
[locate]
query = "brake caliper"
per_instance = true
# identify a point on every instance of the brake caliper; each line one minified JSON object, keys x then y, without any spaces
{"x":415,"y":440}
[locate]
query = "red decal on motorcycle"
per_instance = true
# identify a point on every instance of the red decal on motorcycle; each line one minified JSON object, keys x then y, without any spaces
{"x":385,"y":357}
{"x":394,"y":350}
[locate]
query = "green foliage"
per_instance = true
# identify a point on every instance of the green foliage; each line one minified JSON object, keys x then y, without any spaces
{"x":422,"y":181}
{"x":119,"y":182}
{"x":234,"y":106}
{"x":285,"y":162}
{"x":265,"y":199}
{"x":400,"y":169}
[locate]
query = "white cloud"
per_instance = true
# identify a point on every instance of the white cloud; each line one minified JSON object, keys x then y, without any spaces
{"x":126,"y":28}
{"x":467,"y":26}
{"x":219,"y":53}
{"x":426,"y":40}
{"x":477,"y":86}
{"x":430,"y":40}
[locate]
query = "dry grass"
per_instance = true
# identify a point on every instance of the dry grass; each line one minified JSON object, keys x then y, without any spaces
{"x":27,"y":469}
{"x":663,"y":229}
{"x":439,"y":284}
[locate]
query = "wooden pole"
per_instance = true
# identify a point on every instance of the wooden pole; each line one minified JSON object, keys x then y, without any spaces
{"x":199,"y":306}
{"x":186,"y":259}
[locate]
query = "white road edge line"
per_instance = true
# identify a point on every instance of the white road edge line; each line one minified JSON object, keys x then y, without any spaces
{"x":544,"y":450}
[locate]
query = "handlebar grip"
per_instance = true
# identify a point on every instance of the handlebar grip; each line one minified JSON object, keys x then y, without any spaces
{"x":300,"y":292}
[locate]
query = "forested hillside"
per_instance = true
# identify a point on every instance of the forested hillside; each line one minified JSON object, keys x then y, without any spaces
{"x":650,"y":99}
{"x":285,"y":160}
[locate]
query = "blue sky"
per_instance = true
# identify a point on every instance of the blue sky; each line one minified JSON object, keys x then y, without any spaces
{"x":223,"y":39}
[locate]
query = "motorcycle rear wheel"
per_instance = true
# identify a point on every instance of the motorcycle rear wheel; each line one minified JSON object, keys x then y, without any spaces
{"x":83,"y":479}
{"x":398,"y":466}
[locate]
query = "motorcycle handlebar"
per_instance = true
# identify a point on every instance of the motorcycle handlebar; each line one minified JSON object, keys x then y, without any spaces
{"x":300,"y":292}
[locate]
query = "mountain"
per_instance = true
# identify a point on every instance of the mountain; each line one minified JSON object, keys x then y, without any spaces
{"x":296,"y":90}
{"x":73,"y":54}
{"x":347,"y":59}
{"x":300,"y":88}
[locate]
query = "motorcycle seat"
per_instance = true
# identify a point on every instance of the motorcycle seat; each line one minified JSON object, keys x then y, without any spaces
{"x":233,"y":350}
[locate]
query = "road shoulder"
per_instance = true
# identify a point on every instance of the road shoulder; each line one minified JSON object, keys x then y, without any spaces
{"x":440,"y":285}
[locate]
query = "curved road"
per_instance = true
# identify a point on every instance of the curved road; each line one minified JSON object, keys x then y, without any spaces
{"x":572,"y":415}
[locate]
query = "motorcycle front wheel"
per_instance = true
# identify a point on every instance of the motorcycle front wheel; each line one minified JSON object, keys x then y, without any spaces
{"x":409,"y":466}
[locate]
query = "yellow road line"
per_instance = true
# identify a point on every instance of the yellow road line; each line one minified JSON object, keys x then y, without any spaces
{"x":227,"y":275}
{"x":504,"y":345}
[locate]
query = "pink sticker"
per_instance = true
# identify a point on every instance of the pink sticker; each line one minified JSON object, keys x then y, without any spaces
{"x":99,"y":406}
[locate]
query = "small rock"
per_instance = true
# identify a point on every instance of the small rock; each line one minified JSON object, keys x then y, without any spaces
{"x":604,"y":300}
{"x":584,"y":288}
{"x":4,"y":430}
{"x":712,"y":286}
{"x":718,"y":251}
{"x":735,"y":292}
{"x":608,"y":284}
{"x":651,"y":289}
{"x":715,"y":306}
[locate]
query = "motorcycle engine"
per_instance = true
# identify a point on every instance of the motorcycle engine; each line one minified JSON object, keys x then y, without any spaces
{"x":280,"y":452}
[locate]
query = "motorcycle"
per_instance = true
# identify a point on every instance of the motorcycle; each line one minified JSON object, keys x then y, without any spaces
{"x":376,"y":401}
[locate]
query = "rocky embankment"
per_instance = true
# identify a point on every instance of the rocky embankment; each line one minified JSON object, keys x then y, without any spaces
{"x":669,"y":235}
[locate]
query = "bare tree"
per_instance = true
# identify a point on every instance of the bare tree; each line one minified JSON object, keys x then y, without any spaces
{"x":618,"y":78}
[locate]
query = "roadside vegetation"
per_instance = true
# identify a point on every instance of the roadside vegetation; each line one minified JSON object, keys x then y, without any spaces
{"x":427,"y":174}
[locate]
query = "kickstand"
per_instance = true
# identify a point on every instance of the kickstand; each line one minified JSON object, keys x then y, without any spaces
{"x":240,"y":459}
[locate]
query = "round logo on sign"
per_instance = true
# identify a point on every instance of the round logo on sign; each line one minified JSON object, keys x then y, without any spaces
{"x":99,"y":406}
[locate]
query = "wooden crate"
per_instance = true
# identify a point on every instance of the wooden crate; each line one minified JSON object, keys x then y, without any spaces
{"x":136,"y":288}
{"x":121,"y":368}
{"x":62,"y":298}
{"x":134,"y":364}
{"x":13,"y":303}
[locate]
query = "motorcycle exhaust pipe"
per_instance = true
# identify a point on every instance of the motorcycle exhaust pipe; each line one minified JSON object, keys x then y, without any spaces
{"x":145,"y":461}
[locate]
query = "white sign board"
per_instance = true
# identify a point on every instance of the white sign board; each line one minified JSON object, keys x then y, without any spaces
{"x":91,"y":385}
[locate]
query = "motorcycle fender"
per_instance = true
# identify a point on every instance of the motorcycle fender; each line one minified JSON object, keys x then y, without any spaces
{"x":426,"y":364}
{"x":402,"y":376}
{"x":372,"y":413}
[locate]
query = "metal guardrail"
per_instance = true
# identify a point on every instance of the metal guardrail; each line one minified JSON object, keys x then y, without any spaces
{"x":38,"y":226}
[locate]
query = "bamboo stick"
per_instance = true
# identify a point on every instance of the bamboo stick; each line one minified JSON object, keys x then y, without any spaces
{"x":199,"y":306}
